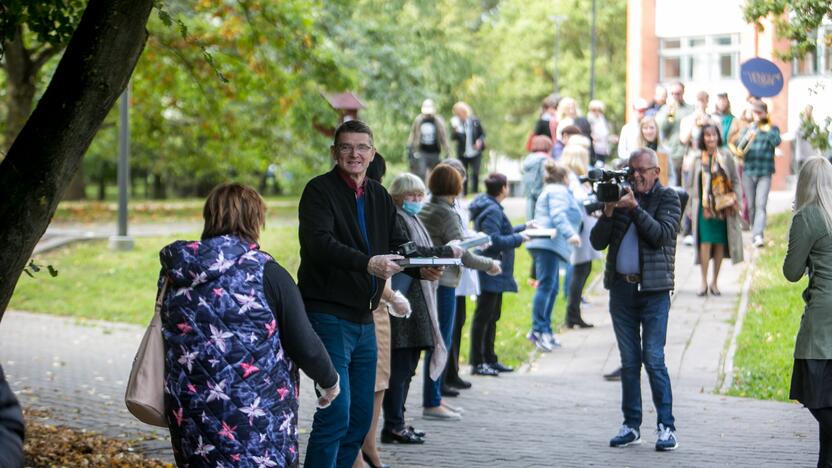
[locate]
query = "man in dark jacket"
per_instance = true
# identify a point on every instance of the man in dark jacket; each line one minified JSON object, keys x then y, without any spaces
{"x":347,"y":232}
{"x":470,"y":142}
{"x":640,"y":231}
{"x":11,"y":426}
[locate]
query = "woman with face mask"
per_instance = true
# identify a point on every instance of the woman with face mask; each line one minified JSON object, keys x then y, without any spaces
{"x":444,"y":226}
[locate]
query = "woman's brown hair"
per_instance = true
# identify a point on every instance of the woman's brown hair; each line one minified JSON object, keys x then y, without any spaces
{"x":234,"y":209}
{"x":445,"y":180}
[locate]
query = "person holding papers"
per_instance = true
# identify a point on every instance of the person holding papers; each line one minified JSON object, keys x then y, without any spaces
{"x":488,"y":216}
{"x":444,"y":226}
{"x":556,"y":208}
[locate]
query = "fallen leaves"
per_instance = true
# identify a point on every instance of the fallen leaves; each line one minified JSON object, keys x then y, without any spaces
{"x":48,"y":445}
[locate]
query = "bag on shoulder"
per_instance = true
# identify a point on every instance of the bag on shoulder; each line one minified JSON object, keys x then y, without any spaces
{"x":145,"y":396}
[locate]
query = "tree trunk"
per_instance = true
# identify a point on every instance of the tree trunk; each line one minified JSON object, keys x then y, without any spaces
{"x":77,"y":189}
{"x":20,"y":82}
{"x":47,"y":152}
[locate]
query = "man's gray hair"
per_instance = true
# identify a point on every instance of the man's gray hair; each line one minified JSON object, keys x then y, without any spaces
{"x":643,"y":151}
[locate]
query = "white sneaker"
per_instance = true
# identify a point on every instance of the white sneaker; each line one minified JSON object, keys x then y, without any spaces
{"x":553,"y":341}
{"x":758,"y":241}
{"x":544,"y":343}
{"x":688,"y":240}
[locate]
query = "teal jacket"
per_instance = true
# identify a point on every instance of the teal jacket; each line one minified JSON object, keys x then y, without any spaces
{"x":810,"y":252}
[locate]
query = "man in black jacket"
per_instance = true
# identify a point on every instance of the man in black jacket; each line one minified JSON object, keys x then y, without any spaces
{"x":640,"y":231}
{"x":347,"y":232}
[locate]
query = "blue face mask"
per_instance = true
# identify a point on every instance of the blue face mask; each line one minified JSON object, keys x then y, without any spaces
{"x":412,"y":208}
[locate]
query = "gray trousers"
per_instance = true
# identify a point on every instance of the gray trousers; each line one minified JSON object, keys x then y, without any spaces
{"x":756,"y":193}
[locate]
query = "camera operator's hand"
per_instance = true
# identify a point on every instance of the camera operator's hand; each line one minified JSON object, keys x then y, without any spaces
{"x":432,"y":273}
{"x":383,"y":266}
{"x":628,"y":200}
{"x":608,"y":209}
{"x":574,"y":241}
{"x":496,"y":268}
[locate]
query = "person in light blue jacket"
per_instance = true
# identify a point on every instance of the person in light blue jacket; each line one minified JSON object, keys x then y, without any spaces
{"x":556,"y":208}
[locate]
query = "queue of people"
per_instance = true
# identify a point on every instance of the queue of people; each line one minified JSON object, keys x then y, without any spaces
{"x":238,"y":329}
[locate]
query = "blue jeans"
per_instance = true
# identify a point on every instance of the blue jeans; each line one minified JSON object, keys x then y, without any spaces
{"x":546,"y":265}
{"x":446,"y":312}
{"x":338,"y":431}
{"x":639,"y":320}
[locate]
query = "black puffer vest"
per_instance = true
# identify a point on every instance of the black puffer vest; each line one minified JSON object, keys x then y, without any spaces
{"x":657,"y":222}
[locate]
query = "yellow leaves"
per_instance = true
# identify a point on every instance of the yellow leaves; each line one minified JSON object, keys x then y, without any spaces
{"x":231,"y":28}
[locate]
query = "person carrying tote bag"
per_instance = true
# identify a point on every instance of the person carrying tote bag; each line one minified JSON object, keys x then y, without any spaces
{"x":145,"y":397}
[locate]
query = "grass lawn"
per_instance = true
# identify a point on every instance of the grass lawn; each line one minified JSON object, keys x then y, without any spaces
{"x":764,"y":358}
{"x":95,"y":283}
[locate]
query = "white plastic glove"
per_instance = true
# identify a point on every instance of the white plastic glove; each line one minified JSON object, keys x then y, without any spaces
{"x":327,"y":395}
{"x":575,"y":240}
{"x":383,"y":266}
{"x":496,"y":269}
{"x":458,"y":251}
{"x":399,"y":306}
{"x":487,"y":244}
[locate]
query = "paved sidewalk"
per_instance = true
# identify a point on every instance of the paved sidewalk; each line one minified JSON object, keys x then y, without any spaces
{"x":556,"y":412}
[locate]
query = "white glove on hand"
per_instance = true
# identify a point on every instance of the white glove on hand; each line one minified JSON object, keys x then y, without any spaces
{"x":327,"y":395}
{"x":383,"y":266}
{"x":399,"y":306}
{"x":458,"y":251}
{"x":496,"y":269}
{"x":487,"y":244}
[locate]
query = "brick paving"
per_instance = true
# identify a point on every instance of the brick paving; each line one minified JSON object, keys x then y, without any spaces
{"x":556,"y":411}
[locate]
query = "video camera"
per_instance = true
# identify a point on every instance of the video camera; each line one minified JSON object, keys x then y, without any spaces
{"x":408,"y":249}
{"x":607,"y":185}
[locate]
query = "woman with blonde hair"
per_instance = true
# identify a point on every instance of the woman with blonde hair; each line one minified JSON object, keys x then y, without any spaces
{"x":810,"y":252}
{"x":576,"y":159}
{"x":236,"y":332}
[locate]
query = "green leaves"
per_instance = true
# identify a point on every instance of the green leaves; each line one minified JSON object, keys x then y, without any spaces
{"x":49,"y":21}
{"x":795,"y":20}
{"x":32,"y":268}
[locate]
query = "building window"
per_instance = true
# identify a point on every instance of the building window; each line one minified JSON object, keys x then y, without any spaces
{"x":699,"y":58}
{"x":818,"y":62}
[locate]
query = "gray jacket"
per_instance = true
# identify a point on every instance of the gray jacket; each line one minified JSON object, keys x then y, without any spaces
{"x":444,"y":225}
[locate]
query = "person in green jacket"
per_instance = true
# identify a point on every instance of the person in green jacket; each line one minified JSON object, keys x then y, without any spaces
{"x":810,"y":252}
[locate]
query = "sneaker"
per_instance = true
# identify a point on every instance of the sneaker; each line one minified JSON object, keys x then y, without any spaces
{"x":688,"y":240}
{"x":626,"y":436}
{"x":666,"y":440}
{"x":539,"y":340}
{"x":552,"y":340}
{"x":613,"y":376}
{"x":758,"y":241}
{"x":454,"y":409}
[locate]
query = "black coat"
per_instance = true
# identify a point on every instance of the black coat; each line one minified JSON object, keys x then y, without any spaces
{"x":333,"y":276}
{"x":477,"y":132}
{"x":657,"y":222}
{"x":11,"y":426}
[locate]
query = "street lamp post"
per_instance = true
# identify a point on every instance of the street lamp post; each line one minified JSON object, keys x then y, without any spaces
{"x":592,"y":55}
{"x":122,"y":241}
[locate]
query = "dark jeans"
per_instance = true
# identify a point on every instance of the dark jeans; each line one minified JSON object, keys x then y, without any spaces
{"x":338,"y":431}
{"x":484,"y":328}
{"x":403,"y":362}
{"x":580,"y":273}
{"x":824,"y":418}
{"x":472,"y":168}
{"x":547,"y":266}
{"x":452,"y":368}
{"x":421,"y":162}
{"x":639,"y":320}
{"x":445,"y":308}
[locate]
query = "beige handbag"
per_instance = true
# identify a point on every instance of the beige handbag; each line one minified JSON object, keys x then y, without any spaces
{"x":145,"y":396}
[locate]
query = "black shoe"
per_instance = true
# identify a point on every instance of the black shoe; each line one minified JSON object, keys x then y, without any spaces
{"x":458,"y":383}
{"x":484,"y":369}
{"x":613,"y":376}
{"x":416,"y":432}
{"x":578,"y":323}
{"x":406,"y":437}
{"x":448,"y":391}
{"x":370,"y":462}
{"x":500,"y":367}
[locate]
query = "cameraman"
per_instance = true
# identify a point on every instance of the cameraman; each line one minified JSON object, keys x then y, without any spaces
{"x":640,"y":231}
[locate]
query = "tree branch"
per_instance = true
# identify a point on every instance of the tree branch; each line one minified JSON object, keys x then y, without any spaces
{"x":43,"y":57}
